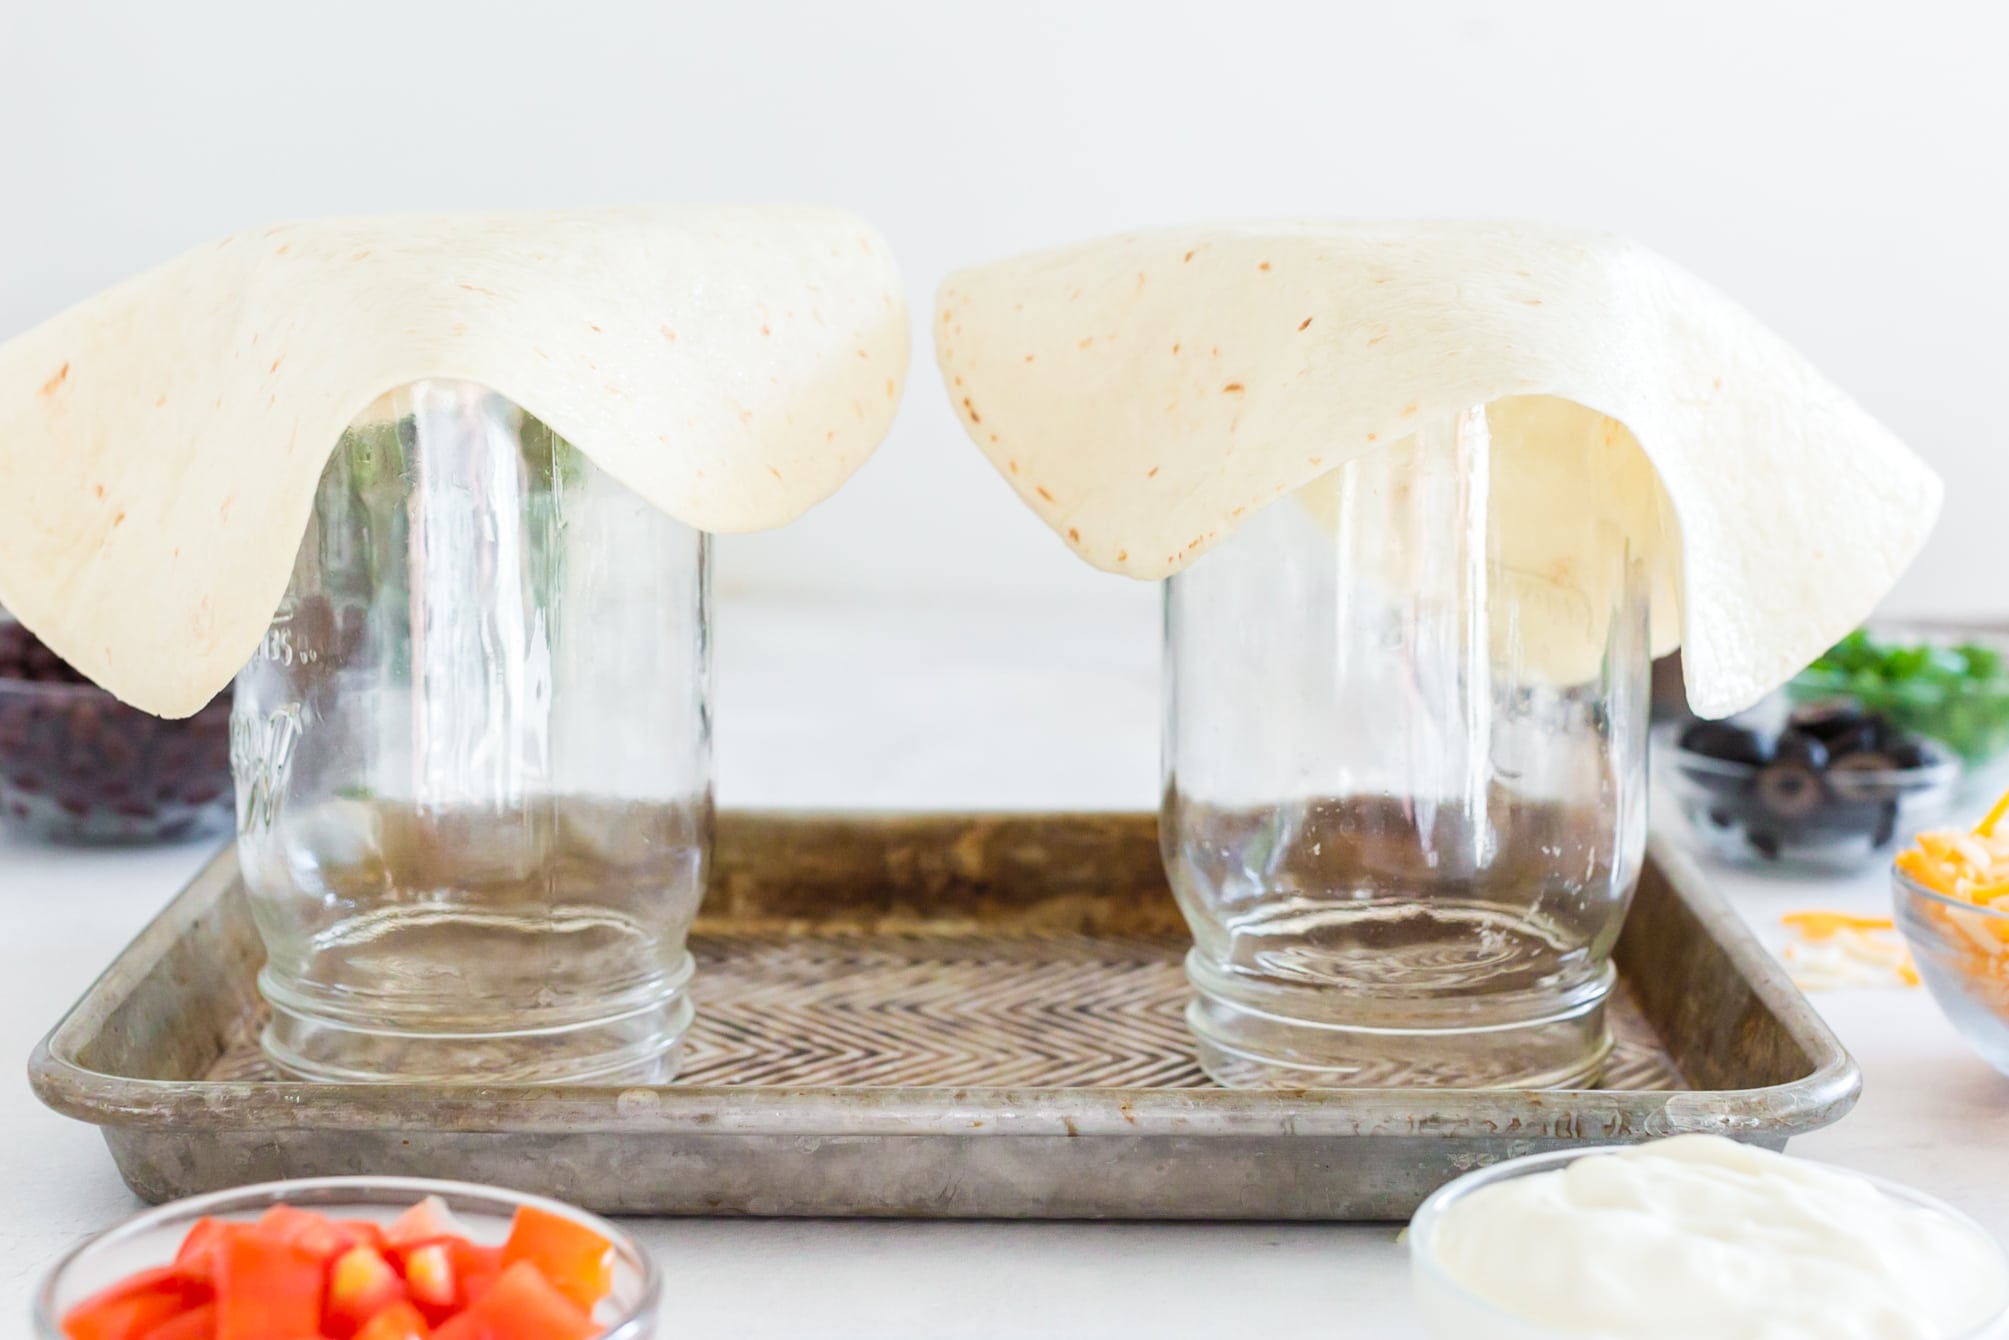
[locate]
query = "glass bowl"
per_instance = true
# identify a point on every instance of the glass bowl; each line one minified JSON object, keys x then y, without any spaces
{"x":1848,"y":820}
{"x":150,"y":1239}
{"x":1451,"y":1312}
{"x":1962,"y":953}
{"x":79,"y":766}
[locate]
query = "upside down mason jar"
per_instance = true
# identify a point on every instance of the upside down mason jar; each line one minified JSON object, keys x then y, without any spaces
{"x":1405,"y":759}
{"x":472,"y":760}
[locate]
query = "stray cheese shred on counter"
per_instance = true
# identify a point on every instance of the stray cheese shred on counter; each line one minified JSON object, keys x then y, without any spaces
{"x":1839,"y":950}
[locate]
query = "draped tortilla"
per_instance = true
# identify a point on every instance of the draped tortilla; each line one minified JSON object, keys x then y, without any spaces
{"x":1146,"y":394}
{"x":160,"y":443}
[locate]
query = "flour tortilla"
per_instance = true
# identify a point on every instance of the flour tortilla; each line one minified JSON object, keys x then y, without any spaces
{"x":1147,"y":394}
{"x":161,"y":442}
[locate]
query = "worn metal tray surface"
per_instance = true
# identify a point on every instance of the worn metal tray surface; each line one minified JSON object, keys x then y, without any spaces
{"x":937,"y":1015}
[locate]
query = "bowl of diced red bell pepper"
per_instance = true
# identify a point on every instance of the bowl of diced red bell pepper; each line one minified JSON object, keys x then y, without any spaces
{"x":354,"y":1258}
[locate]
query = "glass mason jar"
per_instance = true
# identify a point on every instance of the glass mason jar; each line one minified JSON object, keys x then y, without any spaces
{"x":472,"y":760}
{"x":1405,"y":759}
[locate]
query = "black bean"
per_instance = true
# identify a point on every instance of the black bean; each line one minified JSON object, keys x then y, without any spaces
{"x":117,"y":751}
{"x":108,"y":770}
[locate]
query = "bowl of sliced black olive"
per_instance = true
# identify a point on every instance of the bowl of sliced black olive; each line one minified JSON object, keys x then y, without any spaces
{"x":1834,"y":787}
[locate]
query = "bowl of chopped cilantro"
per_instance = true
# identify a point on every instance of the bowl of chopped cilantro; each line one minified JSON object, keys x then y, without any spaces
{"x":1950,"y":688}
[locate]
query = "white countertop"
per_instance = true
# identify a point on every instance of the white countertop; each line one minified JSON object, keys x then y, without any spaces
{"x":947,"y":707}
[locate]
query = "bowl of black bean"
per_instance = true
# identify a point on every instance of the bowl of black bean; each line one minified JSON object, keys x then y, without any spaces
{"x":79,"y":766}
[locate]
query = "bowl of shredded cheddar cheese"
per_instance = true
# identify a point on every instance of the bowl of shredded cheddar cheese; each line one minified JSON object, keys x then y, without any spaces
{"x":1952,"y":904}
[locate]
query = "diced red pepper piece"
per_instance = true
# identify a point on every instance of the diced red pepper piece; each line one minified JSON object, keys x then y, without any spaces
{"x":573,"y":1259}
{"x":134,"y":1306}
{"x":475,"y":1269}
{"x":319,"y":1234}
{"x":193,"y":1257}
{"x":427,"y":1221}
{"x":361,"y":1283}
{"x":197,"y":1324}
{"x":399,"y":1321}
{"x":522,"y":1305}
{"x":366,"y":1233}
{"x":200,"y":1250}
{"x":429,"y":1279}
{"x":266,"y":1290}
{"x":121,"y":1318}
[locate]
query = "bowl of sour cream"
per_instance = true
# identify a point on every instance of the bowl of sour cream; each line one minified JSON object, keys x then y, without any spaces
{"x":1699,"y":1237}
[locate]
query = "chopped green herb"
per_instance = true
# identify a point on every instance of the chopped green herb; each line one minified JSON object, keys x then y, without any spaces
{"x":1958,"y":695}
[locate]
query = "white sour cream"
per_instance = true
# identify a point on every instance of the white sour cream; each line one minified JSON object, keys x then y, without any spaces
{"x":1700,"y":1238}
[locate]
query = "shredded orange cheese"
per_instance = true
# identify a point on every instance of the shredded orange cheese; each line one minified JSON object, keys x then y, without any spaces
{"x":1971,"y":868}
{"x":1986,"y":828}
{"x":1821,"y":925}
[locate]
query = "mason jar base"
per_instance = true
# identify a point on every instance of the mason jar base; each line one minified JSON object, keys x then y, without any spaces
{"x":1532,"y":1043}
{"x":636,"y":1041}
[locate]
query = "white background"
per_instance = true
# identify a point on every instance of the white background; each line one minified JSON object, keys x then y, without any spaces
{"x":1842,"y":168}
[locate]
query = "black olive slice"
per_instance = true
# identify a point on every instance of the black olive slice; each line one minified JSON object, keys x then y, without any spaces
{"x":1727,"y":741}
{"x":1906,"y":753}
{"x":1803,"y":750}
{"x":1790,"y":790}
{"x":1827,"y":718}
{"x":1864,"y":737}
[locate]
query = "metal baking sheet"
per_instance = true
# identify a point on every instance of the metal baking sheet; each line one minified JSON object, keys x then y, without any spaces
{"x":931,"y":1015}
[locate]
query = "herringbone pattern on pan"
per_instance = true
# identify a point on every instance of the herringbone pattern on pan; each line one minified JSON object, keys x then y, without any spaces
{"x":1018,"y":1011}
